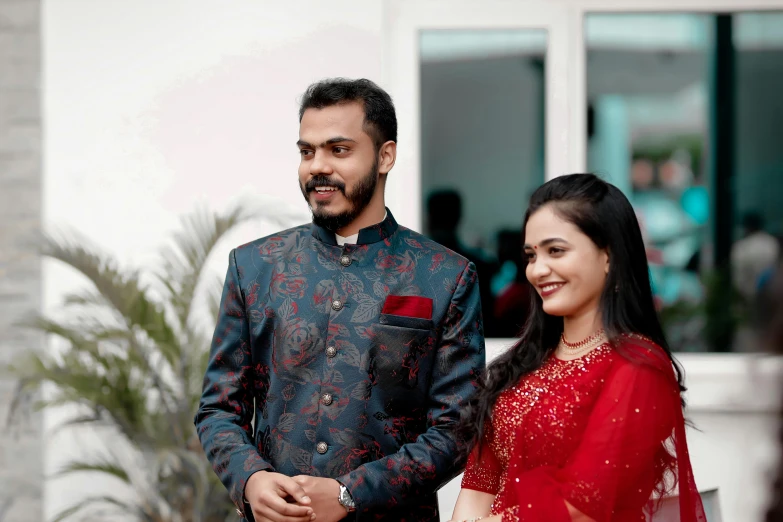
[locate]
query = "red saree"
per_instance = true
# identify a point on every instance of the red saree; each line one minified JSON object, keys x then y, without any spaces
{"x":604,"y":433}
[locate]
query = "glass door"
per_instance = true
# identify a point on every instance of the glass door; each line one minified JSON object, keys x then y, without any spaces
{"x":472,"y":81}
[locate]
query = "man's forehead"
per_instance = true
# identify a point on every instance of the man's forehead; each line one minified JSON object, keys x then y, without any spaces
{"x":324,"y":124}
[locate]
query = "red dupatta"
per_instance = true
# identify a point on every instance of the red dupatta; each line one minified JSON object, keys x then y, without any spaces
{"x":637,"y":426}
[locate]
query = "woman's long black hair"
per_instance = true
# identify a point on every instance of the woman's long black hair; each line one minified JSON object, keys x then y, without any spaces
{"x":606,"y":216}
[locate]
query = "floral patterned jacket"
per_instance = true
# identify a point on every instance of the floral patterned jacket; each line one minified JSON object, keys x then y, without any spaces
{"x":353,"y":362}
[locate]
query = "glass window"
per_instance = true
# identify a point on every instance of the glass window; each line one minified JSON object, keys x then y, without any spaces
{"x":482,"y":151}
{"x":684,"y":115}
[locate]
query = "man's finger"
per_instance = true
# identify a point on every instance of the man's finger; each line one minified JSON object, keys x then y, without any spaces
{"x":294,"y":510}
{"x":269,"y":513}
{"x":281,"y":507}
{"x":292,"y":488}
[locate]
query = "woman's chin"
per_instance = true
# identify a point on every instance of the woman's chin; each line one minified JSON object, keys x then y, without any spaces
{"x":555,"y":309}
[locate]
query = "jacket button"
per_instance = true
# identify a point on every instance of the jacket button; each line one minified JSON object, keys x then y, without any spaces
{"x":345,"y":260}
{"x":331,"y":351}
{"x":327,"y":399}
{"x":337,"y":305}
{"x":321,"y":448}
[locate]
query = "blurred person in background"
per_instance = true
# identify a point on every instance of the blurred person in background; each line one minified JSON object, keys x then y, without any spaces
{"x":512,"y":304}
{"x":752,"y":256}
{"x":444,"y":213}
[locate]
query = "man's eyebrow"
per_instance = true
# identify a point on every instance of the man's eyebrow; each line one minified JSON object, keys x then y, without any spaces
{"x":330,"y":141}
{"x":337,"y":139}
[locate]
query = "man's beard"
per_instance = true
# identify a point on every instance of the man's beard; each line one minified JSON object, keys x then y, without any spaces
{"x":358,"y":199}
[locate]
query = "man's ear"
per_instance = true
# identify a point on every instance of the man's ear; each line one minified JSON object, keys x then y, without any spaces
{"x":387,"y":155}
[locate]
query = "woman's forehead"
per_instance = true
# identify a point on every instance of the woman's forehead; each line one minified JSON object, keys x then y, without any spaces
{"x":546,"y":223}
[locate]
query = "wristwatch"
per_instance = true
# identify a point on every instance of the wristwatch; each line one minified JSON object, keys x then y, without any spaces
{"x":346,"y":500}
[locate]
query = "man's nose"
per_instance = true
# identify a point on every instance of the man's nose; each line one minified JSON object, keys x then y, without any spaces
{"x":320,"y":165}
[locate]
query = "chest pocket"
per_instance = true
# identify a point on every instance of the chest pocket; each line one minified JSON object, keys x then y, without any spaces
{"x":402,"y":352}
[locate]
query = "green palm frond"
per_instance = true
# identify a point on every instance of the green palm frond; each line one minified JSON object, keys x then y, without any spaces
{"x":122,"y":289}
{"x":182,"y":273}
{"x":183,"y":263}
{"x":103,"y":466}
{"x":91,"y":502}
{"x":131,"y":356}
{"x":99,"y":359}
{"x":93,"y":377}
{"x":85,"y":419}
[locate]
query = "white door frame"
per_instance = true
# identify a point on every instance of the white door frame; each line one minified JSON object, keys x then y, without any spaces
{"x":403,"y":22}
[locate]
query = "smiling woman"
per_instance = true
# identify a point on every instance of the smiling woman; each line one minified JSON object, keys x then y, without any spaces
{"x":581,"y":420}
{"x":567,"y":269}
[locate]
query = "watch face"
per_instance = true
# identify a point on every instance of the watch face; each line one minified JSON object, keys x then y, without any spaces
{"x":345,"y":498}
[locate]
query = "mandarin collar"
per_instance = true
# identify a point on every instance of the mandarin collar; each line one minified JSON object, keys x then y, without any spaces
{"x":368,"y":235}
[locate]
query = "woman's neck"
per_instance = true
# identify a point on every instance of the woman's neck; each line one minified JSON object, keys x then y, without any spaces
{"x":579,"y":327}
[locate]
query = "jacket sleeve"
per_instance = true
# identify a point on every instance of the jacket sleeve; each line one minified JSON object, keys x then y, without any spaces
{"x":421,"y":467}
{"x":225,"y":413}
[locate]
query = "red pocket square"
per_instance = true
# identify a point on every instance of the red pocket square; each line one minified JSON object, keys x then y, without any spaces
{"x":408,"y":306}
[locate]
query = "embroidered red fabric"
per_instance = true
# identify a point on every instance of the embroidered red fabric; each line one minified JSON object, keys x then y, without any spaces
{"x":604,"y":433}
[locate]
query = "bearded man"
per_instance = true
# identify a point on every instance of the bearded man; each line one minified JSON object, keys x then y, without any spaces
{"x":345,"y":348}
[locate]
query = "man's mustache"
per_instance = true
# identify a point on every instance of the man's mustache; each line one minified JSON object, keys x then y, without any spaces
{"x":323,"y":181}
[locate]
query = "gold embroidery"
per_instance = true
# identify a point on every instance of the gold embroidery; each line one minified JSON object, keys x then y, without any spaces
{"x":556,"y":394}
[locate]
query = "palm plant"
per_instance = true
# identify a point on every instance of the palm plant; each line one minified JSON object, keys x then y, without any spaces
{"x":133,"y":356}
